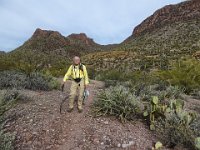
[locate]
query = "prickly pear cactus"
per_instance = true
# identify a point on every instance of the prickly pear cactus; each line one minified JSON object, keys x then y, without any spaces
{"x":157,"y":146}
{"x":155,"y":100}
{"x":197,"y":143}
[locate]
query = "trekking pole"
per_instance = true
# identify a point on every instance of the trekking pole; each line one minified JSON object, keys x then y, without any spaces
{"x":85,"y":95}
{"x":62,"y":89}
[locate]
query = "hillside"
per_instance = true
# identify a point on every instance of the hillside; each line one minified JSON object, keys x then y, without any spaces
{"x":2,"y":52}
{"x":171,"y":33}
{"x":185,"y":11}
{"x":53,"y":44}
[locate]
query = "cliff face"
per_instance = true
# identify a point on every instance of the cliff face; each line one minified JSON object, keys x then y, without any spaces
{"x":46,"y":40}
{"x":184,"y":11}
{"x":82,"y":37}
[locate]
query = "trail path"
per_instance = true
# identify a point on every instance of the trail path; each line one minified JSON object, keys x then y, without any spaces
{"x":40,"y":126}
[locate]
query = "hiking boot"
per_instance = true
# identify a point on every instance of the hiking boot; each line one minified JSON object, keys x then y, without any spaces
{"x":70,"y":110}
{"x":80,"y":110}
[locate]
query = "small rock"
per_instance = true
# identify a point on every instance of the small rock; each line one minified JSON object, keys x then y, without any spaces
{"x":106,"y":122}
{"x":118,"y":145}
{"x":127,"y":145}
{"x":48,"y":147}
{"x":96,"y":141}
{"x":35,"y":133}
{"x":7,"y":125}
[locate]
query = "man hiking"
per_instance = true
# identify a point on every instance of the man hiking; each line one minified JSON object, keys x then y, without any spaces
{"x":78,"y":73}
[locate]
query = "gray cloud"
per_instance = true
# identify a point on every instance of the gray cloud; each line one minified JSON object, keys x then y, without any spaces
{"x":106,"y":21}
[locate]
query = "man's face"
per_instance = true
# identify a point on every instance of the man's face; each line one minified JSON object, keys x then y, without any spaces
{"x":76,"y":60}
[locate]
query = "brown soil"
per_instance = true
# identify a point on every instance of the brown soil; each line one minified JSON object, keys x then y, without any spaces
{"x":40,"y":126}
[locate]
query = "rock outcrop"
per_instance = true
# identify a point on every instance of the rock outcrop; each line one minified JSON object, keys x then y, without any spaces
{"x":46,"y":40}
{"x":82,"y":37}
{"x":54,"y":44}
{"x":169,"y":14}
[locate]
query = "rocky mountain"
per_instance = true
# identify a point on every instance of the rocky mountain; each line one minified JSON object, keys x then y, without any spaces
{"x":171,"y":33}
{"x":185,"y":11}
{"x":82,"y":39}
{"x":55,"y":45}
{"x":45,"y":40}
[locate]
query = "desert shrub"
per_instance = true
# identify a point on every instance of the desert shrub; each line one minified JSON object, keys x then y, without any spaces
{"x":91,"y":72}
{"x":35,"y":81}
{"x":6,"y":140}
{"x":145,"y":92}
{"x":7,"y":101}
{"x":6,"y":63}
{"x":117,"y":101}
{"x":185,"y":74}
{"x":196,"y":94}
{"x":178,"y":129}
{"x":38,"y":81}
{"x":173,"y":124}
{"x":110,"y":75}
{"x":12,"y":79}
{"x":137,"y":78}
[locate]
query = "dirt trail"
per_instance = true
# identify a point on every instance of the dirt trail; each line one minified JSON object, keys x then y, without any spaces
{"x":40,"y":126}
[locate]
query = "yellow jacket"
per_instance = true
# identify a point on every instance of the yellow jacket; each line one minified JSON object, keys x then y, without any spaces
{"x":75,"y":72}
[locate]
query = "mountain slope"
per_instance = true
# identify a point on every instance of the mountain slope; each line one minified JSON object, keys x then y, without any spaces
{"x":2,"y":53}
{"x":53,"y":43}
{"x":171,"y":33}
{"x":185,"y":11}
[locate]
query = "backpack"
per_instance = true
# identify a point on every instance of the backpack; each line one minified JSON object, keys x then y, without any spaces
{"x":80,"y":67}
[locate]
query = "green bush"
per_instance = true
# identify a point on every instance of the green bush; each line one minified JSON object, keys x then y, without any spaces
{"x":175,"y":130}
{"x":185,"y":74}
{"x":38,"y":81}
{"x":91,"y":72}
{"x":6,"y":140}
{"x":145,"y":92}
{"x":137,"y":78}
{"x":35,"y":81}
{"x":110,"y":75}
{"x":7,"y":101}
{"x":117,"y":101}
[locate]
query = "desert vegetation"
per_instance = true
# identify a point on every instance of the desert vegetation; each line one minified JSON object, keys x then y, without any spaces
{"x":157,"y":98}
{"x":152,"y":78}
{"x":9,"y":99}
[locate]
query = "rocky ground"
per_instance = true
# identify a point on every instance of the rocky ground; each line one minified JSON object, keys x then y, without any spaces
{"x":39,"y":125}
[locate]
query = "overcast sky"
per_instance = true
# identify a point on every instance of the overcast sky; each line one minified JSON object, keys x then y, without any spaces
{"x":106,"y":21}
